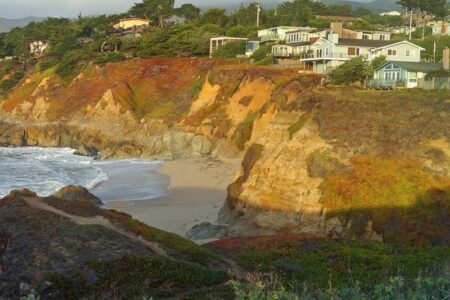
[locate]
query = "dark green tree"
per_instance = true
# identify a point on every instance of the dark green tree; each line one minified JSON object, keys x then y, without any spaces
{"x":155,"y":10}
{"x":188,"y":11}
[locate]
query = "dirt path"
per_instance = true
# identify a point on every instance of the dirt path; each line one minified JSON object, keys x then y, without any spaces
{"x":37,"y":203}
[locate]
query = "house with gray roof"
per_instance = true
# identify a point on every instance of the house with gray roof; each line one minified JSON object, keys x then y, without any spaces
{"x":407,"y":74}
{"x":328,"y":53}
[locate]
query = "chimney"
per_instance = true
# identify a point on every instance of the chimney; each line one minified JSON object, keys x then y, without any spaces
{"x":446,"y":59}
{"x":333,"y":37}
{"x":336,"y":27}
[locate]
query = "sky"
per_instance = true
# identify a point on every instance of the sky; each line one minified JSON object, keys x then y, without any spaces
{"x":71,"y":8}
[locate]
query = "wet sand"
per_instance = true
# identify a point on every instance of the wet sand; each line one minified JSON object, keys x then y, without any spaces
{"x":197,"y":193}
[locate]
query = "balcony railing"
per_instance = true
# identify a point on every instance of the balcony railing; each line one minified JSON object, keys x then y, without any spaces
{"x":270,"y":37}
{"x":330,"y":56}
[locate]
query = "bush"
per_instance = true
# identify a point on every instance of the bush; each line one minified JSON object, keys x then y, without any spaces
{"x":396,"y":288}
{"x":261,"y":53}
{"x":68,"y":66}
{"x":108,"y":57}
{"x":350,"y":72}
{"x":230,"y":50}
{"x":240,"y":31}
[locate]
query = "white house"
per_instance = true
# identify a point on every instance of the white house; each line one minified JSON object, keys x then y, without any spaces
{"x":439,"y":27}
{"x":402,"y":30}
{"x":326,"y":54}
{"x":393,"y":13}
{"x":276,"y":34}
{"x":297,"y":42}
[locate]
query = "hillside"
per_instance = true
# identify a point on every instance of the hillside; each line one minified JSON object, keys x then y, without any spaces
{"x":8,"y":24}
{"x":81,"y":251}
{"x":376,"y":6}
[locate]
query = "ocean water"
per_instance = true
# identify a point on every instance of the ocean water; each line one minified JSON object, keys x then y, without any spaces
{"x":46,"y":170}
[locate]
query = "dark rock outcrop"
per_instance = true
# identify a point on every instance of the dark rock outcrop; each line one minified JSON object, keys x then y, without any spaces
{"x":206,"y":231}
{"x":77,"y":193}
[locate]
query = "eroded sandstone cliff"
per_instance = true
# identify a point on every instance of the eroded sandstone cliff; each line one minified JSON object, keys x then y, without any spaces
{"x":319,"y":161}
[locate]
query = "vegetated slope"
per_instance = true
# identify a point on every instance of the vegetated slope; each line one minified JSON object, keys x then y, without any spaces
{"x":61,"y":249}
{"x":313,"y":266}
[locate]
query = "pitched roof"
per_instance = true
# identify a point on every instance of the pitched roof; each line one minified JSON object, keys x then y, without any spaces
{"x":365,"y":43}
{"x":415,"y":66}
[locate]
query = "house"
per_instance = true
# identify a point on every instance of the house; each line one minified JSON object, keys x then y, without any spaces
{"x":130,"y":23}
{"x":215,"y":43}
{"x":37,"y":48}
{"x":393,"y":13}
{"x":297,"y":42}
{"x":328,"y":53}
{"x":402,"y":74}
{"x":394,"y":74}
{"x":290,"y":50}
{"x":401,"y":30}
{"x":338,"y":27}
{"x":276,"y":34}
{"x":252,"y":46}
{"x":439,"y":27}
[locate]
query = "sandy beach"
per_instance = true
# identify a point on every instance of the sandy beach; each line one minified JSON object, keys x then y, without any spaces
{"x":197,"y":193}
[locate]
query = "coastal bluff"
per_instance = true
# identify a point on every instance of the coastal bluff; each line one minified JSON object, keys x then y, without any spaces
{"x":320,"y":161}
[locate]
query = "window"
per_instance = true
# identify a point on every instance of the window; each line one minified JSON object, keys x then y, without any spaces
{"x":365,"y":37}
{"x":392,"y":52}
{"x":382,"y":37}
{"x":353,"y":51}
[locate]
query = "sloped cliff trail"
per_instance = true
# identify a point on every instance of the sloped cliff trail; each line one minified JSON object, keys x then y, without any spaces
{"x":325,"y":162}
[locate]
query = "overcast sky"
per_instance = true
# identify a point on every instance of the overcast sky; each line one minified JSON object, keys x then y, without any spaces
{"x":71,"y":8}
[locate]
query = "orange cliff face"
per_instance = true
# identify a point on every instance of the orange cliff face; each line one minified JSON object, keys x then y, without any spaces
{"x":164,"y":107}
{"x":344,"y":162}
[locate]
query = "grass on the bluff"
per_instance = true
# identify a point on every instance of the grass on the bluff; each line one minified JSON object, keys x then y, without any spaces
{"x":320,"y":264}
{"x":135,"y":278}
{"x":402,"y":199}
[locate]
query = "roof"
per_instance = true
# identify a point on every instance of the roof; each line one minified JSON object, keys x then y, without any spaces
{"x":365,"y":43}
{"x":228,"y":38}
{"x":293,"y":44}
{"x":415,"y":66}
{"x":339,"y":18}
{"x":302,"y":29}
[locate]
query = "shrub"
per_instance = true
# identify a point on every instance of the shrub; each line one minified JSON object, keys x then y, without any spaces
{"x":244,"y":131}
{"x":240,"y":31}
{"x":230,"y":50}
{"x":261,"y":53}
{"x":297,"y":126}
{"x":109,"y":57}
{"x":350,"y":72}
{"x":396,"y":288}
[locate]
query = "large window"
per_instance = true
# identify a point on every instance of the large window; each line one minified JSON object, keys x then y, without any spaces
{"x":392,"y":52}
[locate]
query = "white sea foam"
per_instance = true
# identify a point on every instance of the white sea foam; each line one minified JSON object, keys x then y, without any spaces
{"x":46,"y":170}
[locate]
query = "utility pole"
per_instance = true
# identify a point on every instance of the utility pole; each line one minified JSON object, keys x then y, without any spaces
{"x":258,"y":11}
{"x":410,"y":24}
